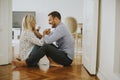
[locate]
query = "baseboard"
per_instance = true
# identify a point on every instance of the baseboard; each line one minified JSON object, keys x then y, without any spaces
{"x":102,"y":75}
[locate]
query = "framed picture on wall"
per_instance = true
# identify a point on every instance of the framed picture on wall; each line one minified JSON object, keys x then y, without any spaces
{"x":17,"y":17}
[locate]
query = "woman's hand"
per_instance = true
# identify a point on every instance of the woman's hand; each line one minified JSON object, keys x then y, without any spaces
{"x":37,"y":34}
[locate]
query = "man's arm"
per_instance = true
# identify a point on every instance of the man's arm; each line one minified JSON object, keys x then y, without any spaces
{"x":57,"y":34}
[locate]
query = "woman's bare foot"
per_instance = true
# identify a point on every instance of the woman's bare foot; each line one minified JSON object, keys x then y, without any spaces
{"x":19,"y":63}
{"x":18,"y":59}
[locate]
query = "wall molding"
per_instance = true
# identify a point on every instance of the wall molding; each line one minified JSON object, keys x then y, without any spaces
{"x":102,"y":75}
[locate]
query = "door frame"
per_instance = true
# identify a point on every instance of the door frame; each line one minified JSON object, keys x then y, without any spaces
{"x":5,"y":31}
{"x":90,"y":35}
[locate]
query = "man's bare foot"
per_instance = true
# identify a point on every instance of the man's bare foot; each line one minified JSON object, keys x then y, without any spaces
{"x":19,"y":63}
{"x":52,"y":63}
{"x":56,"y":65}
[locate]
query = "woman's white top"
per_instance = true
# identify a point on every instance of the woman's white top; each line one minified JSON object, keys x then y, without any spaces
{"x":27,"y":41}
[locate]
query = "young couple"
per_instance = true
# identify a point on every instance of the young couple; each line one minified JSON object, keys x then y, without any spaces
{"x":33,"y":45}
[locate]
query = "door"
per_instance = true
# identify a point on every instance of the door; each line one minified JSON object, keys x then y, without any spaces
{"x":90,"y":32}
{"x":5,"y":31}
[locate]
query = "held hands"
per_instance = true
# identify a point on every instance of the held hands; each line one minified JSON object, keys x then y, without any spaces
{"x":46,"y":31}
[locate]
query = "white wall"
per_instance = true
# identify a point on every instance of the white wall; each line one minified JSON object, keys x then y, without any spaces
{"x":43,"y":7}
{"x":107,"y":40}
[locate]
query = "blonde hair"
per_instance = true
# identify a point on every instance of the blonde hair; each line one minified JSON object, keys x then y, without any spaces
{"x":26,"y":23}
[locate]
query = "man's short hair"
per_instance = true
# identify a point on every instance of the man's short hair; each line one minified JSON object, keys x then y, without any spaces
{"x":55,"y":14}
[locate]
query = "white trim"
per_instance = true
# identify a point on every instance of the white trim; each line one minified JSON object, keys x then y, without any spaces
{"x":5,"y":31}
{"x":102,"y":75}
{"x":117,"y":39}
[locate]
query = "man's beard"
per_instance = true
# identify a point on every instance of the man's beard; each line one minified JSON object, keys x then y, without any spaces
{"x":54,"y":26}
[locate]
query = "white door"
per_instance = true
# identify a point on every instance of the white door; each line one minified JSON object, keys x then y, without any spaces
{"x":5,"y":31}
{"x":90,"y":32}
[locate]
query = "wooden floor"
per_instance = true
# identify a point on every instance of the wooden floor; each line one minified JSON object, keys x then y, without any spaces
{"x":43,"y":72}
{"x":74,"y":72}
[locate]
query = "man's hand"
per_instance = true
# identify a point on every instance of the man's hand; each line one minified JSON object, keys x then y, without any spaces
{"x":46,"y":31}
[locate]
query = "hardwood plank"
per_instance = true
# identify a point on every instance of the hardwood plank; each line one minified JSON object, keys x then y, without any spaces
{"x":73,"y":72}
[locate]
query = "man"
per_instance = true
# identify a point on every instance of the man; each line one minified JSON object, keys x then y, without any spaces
{"x":63,"y":54}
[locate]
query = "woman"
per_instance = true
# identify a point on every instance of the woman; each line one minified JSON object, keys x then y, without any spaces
{"x":29,"y":37}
